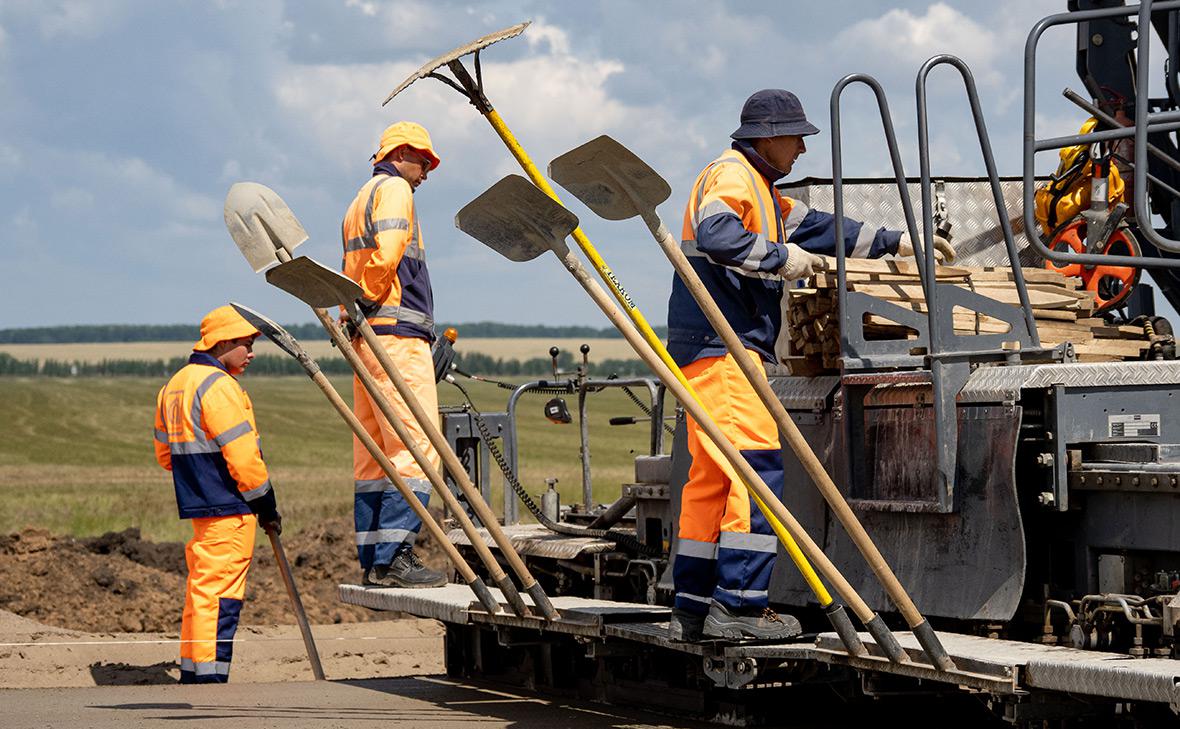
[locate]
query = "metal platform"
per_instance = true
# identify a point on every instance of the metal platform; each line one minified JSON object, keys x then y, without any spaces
{"x":534,"y":540}
{"x":985,"y":664}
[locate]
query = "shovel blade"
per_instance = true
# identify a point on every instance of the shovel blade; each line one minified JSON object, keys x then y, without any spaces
{"x":271,"y":330}
{"x":518,"y":221}
{"x":475,"y":45}
{"x":313,"y":283}
{"x":261,"y":224}
{"x":609,"y":179}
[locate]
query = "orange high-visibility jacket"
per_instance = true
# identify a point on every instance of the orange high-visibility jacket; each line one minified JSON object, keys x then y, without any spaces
{"x":383,"y":252}
{"x":207,"y":438}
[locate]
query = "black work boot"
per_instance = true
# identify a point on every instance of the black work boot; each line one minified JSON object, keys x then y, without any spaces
{"x":755,"y":624}
{"x":405,"y":571}
{"x":685,"y":627}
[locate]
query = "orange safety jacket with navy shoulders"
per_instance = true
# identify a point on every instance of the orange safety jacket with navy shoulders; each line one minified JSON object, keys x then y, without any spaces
{"x":736,"y":225}
{"x":383,"y":253}
{"x":206,"y":436}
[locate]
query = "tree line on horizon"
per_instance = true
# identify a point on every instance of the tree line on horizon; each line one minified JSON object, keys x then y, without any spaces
{"x":272,"y":364}
{"x":107,"y":333}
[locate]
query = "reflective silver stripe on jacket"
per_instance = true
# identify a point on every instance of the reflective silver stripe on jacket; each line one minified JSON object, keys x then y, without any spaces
{"x":689,"y":248}
{"x":201,"y":444}
{"x":232,"y":434}
{"x":794,"y":218}
{"x":762,"y":245}
{"x":368,"y":239}
{"x":401,"y":313}
{"x":864,"y":242}
{"x":258,"y":491}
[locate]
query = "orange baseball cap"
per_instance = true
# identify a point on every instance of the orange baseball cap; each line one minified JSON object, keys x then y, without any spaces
{"x":406,"y":133}
{"x":222,"y":324}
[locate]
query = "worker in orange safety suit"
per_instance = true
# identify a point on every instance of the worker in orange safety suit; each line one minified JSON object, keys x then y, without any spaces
{"x":206,"y":436}
{"x":384,"y":253}
{"x":744,"y":239}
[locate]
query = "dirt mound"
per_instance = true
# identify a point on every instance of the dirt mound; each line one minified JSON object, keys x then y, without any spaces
{"x":119,"y":582}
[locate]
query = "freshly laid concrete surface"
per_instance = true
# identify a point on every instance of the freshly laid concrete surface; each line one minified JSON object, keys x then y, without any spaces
{"x":423,"y":702}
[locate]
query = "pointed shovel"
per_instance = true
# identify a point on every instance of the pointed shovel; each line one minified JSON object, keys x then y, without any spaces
{"x":291,"y":346}
{"x":616,"y":184}
{"x":516,"y":218}
{"x":261,"y":224}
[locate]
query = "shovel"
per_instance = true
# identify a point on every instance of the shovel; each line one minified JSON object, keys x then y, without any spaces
{"x":260,"y":222}
{"x":473,"y":90}
{"x":276,"y":544}
{"x":515,"y":217}
{"x":291,"y":346}
{"x":616,"y":185}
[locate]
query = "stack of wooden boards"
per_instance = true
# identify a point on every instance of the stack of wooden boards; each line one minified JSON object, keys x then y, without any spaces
{"x":1062,"y":308}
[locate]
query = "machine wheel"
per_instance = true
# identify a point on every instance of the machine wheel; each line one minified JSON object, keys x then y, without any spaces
{"x":1111,"y":285}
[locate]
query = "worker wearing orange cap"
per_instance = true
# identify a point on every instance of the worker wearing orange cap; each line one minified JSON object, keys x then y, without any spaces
{"x":207,"y":438}
{"x":384,"y":253}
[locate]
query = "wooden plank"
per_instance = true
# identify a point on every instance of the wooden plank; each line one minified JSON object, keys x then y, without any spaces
{"x":1112,"y":347}
{"x":914,"y":293}
{"x":892,"y":265}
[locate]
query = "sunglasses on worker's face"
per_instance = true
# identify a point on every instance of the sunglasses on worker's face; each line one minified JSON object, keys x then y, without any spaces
{"x":423,"y":160}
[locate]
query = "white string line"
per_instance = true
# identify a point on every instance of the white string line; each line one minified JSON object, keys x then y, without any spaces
{"x":209,"y":640}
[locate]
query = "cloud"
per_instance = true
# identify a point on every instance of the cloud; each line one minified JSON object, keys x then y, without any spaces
{"x":907,"y":39}
{"x":69,"y":19}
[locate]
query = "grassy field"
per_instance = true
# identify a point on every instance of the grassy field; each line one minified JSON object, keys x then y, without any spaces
{"x":522,"y":348}
{"x":76,"y":454}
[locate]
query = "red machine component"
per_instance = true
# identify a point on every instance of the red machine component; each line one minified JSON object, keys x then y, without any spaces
{"x":1110,"y":284}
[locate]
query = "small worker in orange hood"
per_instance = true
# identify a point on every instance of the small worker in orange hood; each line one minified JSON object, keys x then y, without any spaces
{"x":206,"y":436}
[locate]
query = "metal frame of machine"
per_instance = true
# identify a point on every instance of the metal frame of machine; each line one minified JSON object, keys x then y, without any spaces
{"x":1048,"y":520}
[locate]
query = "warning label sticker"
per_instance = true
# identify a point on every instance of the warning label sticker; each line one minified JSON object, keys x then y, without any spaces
{"x":1138,"y":425}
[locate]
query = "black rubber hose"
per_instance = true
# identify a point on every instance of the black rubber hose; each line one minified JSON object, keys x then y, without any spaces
{"x":620,"y":538}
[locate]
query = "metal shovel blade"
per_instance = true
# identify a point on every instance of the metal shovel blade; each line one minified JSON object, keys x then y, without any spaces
{"x":261,"y":224}
{"x":271,"y":330}
{"x":518,"y":221}
{"x":609,"y":179}
{"x":444,"y":59}
{"x":313,"y":283}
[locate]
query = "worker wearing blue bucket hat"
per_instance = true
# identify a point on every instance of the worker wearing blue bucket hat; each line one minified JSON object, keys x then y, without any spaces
{"x":744,"y":239}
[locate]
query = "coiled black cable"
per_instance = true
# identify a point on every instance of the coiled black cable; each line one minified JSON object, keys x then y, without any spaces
{"x":620,"y":538}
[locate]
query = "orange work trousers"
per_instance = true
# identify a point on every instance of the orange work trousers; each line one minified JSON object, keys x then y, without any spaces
{"x":384,"y":522}
{"x":218,"y":557}
{"x":725,"y":547}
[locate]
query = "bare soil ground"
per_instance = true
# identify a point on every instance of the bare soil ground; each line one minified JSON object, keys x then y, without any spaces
{"x":106,"y":610}
{"x":119,"y":582}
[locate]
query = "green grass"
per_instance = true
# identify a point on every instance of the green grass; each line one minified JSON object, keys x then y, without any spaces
{"x":76,"y":454}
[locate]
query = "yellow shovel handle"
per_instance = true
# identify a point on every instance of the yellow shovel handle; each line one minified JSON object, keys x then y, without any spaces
{"x":522,"y":157}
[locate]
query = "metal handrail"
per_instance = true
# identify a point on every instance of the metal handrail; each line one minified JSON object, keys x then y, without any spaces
{"x":838,"y":186}
{"x":1142,"y":96}
{"x":1144,"y":123}
{"x":989,"y":162}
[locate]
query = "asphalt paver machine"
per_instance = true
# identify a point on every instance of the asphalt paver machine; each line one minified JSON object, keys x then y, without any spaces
{"x":1029,"y":502}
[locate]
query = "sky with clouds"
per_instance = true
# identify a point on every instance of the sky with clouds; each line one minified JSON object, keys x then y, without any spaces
{"x":123,"y":124}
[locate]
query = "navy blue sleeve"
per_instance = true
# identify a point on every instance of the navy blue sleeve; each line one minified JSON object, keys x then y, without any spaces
{"x":725,"y":241}
{"x":817,"y":234}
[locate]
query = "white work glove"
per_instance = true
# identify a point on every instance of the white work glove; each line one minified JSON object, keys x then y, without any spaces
{"x":944,"y":252}
{"x":800,"y":263}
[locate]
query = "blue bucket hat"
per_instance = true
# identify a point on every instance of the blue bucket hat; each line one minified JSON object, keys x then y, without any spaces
{"x":773,"y":113}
